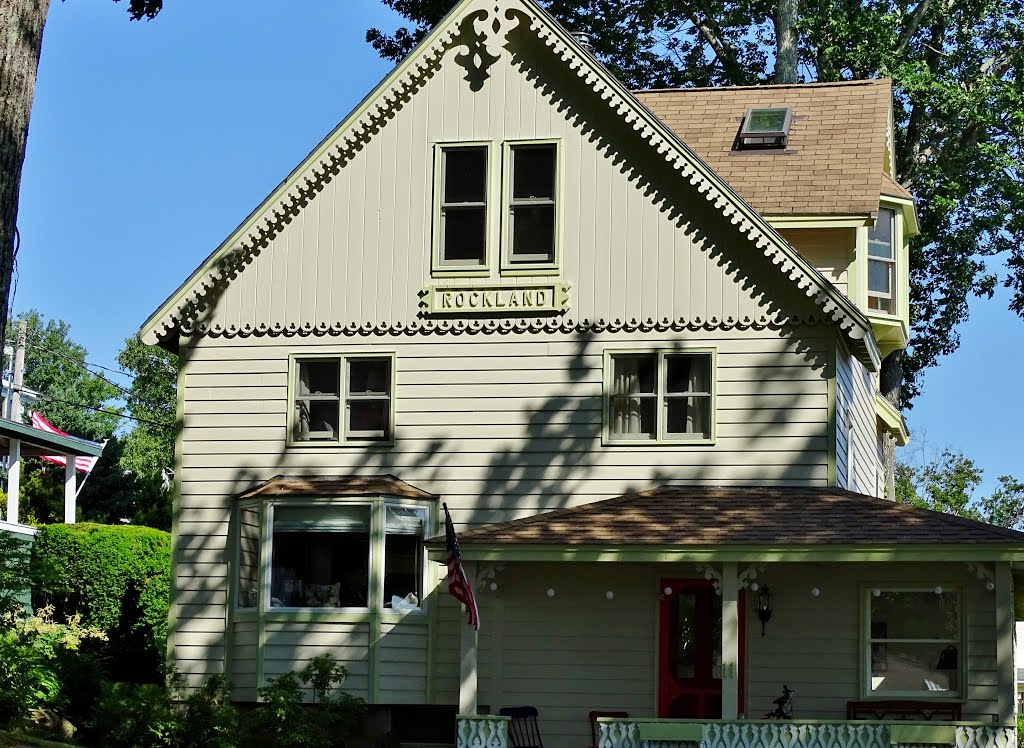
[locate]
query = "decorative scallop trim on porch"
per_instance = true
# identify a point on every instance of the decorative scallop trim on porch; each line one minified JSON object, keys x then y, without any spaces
{"x":196,"y":295}
{"x":491,"y":326}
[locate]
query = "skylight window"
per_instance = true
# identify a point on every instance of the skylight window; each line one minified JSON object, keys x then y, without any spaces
{"x":765,"y":128}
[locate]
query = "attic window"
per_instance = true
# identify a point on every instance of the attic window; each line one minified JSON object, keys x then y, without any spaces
{"x":765,"y":128}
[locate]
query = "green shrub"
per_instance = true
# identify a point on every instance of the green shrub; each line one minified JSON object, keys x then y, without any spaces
{"x":34,"y":652}
{"x":146,"y":715}
{"x":283,"y":721}
{"x":117,"y":577}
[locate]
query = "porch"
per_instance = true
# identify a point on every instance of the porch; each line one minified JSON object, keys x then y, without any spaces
{"x":672,"y":633}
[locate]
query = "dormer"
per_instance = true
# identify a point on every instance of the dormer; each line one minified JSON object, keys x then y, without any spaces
{"x":815,"y":160}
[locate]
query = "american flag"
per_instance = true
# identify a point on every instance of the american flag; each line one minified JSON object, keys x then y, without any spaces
{"x":458,"y":583}
{"x":85,"y":464}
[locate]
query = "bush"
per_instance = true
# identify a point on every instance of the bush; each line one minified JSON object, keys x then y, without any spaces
{"x":34,"y":652}
{"x":117,"y":577}
{"x":283,"y":721}
{"x":145,"y":715}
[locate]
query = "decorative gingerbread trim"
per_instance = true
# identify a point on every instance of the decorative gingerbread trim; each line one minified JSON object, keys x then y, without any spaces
{"x":483,"y":39}
{"x":496,"y":325}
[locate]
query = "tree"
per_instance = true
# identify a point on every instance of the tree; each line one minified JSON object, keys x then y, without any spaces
{"x":947,"y":483}
{"x":149,"y":446}
{"x":21,"y":41}
{"x":959,"y":114}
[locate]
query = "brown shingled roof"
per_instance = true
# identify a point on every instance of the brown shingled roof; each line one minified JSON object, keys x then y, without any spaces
{"x":328,"y":486}
{"x":724,"y":516}
{"x":834,"y":158}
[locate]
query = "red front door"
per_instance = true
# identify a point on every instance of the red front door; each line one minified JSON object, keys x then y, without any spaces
{"x":690,"y":650}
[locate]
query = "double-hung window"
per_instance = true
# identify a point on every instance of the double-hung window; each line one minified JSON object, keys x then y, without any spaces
{"x":532,"y":180}
{"x":915,"y":642}
{"x":358,"y":554}
{"x":462,"y":223}
{"x":882,"y":263}
{"x":664,"y":396}
{"x":526,"y":180}
{"x":342,"y":399}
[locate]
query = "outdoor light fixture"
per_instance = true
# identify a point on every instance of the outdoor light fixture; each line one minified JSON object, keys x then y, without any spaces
{"x":764,"y":607}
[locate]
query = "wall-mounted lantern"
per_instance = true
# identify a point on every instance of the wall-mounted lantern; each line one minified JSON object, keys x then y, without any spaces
{"x":764,"y":606}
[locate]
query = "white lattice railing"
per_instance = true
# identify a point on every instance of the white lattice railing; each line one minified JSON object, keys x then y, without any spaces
{"x":483,"y":731}
{"x":678,"y":734}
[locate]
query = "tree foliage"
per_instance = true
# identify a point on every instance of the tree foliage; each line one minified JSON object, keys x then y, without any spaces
{"x":959,"y":112}
{"x":949,"y":483}
{"x":149,"y":447}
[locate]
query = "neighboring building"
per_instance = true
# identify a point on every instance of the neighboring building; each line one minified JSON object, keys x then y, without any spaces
{"x":633,"y":341}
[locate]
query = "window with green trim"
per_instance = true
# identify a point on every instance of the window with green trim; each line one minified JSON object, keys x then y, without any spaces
{"x":882,"y":263}
{"x":343,"y":399}
{"x":915,"y":642}
{"x":531,"y":209}
{"x":462,"y":224}
{"x":660,"y":396}
{"x":338,"y":555}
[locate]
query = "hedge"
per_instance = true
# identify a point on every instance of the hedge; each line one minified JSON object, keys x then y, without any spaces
{"x":117,"y":577}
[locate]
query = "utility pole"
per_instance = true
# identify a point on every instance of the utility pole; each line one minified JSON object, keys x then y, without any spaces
{"x":14,"y":461}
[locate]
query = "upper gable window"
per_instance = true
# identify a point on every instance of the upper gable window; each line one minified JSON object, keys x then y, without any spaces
{"x":765,"y":128}
{"x":463,"y":212}
{"x":882,"y":263}
{"x":533,"y":177}
{"x":343,"y":399}
{"x":660,"y":396}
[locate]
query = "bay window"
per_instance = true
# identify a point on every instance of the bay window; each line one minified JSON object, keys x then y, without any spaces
{"x":360,"y":554}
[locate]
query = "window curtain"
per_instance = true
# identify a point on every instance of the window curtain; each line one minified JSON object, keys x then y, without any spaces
{"x":625,"y":405}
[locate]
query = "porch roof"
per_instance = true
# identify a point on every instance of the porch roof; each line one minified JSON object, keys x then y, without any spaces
{"x":36,"y":442}
{"x":720,"y":522}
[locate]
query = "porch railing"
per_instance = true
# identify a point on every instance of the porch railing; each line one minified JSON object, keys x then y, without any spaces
{"x":491,"y":731}
{"x":481,"y":731}
{"x":640,"y":733}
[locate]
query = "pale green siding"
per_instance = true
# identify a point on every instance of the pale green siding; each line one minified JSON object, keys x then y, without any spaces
{"x":856,"y":427}
{"x":360,"y":251}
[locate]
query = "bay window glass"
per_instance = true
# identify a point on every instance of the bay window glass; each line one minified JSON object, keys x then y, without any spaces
{"x":248,"y":556}
{"x":321,"y":557}
{"x":662,"y":396}
{"x":915,"y":642}
{"x":882,"y":263}
{"x":404,"y":529}
{"x":366,"y":553}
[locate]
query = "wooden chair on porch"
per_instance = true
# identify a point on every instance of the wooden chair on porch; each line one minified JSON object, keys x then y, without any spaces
{"x":594,"y":716}
{"x":523,"y":731}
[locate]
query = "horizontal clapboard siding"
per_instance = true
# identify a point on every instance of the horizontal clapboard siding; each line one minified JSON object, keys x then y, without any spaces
{"x":831,"y":251}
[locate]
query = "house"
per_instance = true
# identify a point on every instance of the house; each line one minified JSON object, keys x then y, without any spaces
{"x":633,"y":342}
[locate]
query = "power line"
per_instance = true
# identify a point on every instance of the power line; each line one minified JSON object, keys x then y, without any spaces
{"x":51,"y":398}
{"x":123,"y":390}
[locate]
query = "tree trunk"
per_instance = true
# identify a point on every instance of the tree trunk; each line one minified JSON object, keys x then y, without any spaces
{"x":889,"y":381}
{"x":785,"y":41}
{"x":21,"y":39}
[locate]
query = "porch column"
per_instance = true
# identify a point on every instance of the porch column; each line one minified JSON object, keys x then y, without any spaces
{"x":467,"y":659}
{"x":70,"y":490}
{"x":730,"y":641}
{"x":1007,"y":669}
{"x":13,"y":480}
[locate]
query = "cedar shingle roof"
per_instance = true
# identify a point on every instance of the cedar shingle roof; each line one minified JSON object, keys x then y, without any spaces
{"x":327,"y":486}
{"x":834,"y":159}
{"x":724,"y":516}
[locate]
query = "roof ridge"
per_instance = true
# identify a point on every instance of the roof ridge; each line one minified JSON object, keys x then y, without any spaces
{"x":769,"y":86}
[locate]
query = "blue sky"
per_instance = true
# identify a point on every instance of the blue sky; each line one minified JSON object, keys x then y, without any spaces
{"x":151,"y":141}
